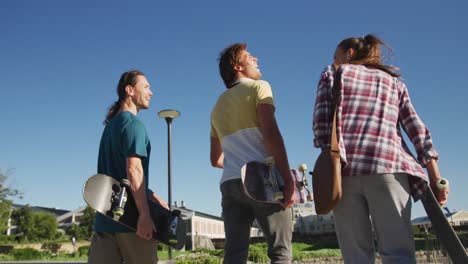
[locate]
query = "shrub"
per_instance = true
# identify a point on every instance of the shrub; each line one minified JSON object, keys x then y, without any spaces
{"x":197,"y":258}
{"x":258,"y":252}
{"x":213,"y":252}
{"x":5,"y":249}
{"x":4,"y":239}
{"x":79,"y":232}
{"x":83,"y":250}
{"x":50,"y":247}
{"x":26,"y":254}
{"x":301,"y":251}
{"x":163,"y":247}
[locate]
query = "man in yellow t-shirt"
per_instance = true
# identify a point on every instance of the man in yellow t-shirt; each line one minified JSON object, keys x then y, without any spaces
{"x":243,"y":129}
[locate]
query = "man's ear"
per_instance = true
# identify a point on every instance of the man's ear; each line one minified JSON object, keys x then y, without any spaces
{"x":238,"y":68}
{"x":129,"y":90}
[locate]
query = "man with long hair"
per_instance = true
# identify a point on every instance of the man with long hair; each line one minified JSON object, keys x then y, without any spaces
{"x":124,"y":153}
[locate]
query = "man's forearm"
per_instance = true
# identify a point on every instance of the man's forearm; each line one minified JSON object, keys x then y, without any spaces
{"x":273,"y":140}
{"x":275,"y":146}
{"x":137,"y":186}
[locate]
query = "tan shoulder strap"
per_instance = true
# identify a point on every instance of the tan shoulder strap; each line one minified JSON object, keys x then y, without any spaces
{"x":336,"y":99}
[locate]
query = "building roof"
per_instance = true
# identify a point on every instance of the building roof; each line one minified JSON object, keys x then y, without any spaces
{"x":63,"y":214}
{"x":78,"y":211}
{"x":54,"y":211}
{"x":449,"y":215}
{"x":189,"y":212}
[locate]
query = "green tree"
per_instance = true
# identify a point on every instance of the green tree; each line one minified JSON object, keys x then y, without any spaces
{"x":23,"y":219}
{"x":84,"y":230}
{"x":87,"y":221}
{"x":44,"y":227}
{"x":5,"y":208}
{"x":35,"y":226}
{"x":6,"y":193}
{"x":76,"y":231}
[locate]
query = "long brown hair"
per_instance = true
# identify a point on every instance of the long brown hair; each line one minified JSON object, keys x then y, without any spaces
{"x":367,"y":52}
{"x":127,"y":78}
{"x":228,"y":58}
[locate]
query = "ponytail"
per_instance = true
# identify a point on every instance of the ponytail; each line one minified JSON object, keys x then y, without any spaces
{"x":367,"y":52}
{"x":112,"y":111}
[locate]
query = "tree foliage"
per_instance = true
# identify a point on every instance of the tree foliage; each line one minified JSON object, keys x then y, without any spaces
{"x":5,"y":208}
{"x":44,"y":226}
{"x":35,"y":226}
{"x":75,"y":231}
{"x":6,"y":193}
{"x":22,"y":218}
{"x":84,"y":230}
{"x":87,"y":220}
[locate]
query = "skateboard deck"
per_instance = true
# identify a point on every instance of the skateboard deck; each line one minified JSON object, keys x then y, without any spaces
{"x":444,"y":231}
{"x":114,"y":200}
{"x":263,"y":183}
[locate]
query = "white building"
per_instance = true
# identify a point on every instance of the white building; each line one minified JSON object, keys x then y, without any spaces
{"x":458,"y":219}
{"x":306,"y":221}
{"x":200,"y":226}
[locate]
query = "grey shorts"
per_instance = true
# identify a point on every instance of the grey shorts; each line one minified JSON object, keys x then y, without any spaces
{"x":120,"y":247}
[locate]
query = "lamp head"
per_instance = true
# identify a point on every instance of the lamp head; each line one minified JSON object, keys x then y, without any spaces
{"x":169,"y":114}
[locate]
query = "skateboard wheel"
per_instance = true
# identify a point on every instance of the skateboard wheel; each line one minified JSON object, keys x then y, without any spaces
{"x":442,"y":184}
{"x":119,"y":211}
{"x":303,"y":167}
{"x":125,"y":183}
{"x":115,"y":188}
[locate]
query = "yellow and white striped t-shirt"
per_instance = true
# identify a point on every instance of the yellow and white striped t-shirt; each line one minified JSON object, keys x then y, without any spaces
{"x":234,"y":122}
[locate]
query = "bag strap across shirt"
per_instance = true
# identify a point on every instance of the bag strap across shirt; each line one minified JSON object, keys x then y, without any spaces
{"x":336,"y":99}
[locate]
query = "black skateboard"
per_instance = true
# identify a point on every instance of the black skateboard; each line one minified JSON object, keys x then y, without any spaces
{"x":444,"y":231}
{"x":263,"y":183}
{"x":114,"y":200}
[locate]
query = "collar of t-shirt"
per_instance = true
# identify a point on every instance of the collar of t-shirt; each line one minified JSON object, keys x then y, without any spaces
{"x":241,"y":80}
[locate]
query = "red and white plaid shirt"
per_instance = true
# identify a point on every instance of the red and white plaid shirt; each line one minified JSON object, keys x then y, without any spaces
{"x":374,"y":106}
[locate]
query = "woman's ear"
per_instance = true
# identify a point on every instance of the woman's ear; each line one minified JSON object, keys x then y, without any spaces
{"x":349,"y":54}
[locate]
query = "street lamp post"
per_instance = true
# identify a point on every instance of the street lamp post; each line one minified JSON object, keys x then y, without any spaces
{"x":169,"y":115}
{"x":449,"y":214}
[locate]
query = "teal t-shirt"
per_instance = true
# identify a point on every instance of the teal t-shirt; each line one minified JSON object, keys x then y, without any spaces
{"x":124,"y":136}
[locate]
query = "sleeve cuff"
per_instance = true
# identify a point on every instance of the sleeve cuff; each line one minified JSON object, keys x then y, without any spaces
{"x":428,"y":156}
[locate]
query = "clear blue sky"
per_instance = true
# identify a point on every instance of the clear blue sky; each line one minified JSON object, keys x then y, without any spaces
{"x":60,"y":62}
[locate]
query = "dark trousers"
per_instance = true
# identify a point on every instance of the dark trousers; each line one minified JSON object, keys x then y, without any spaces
{"x":239,"y":212}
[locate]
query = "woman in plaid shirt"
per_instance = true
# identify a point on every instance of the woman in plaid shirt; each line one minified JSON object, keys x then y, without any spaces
{"x":380,"y":175}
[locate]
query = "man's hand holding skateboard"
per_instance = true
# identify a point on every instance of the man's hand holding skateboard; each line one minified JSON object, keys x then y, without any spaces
{"x":145,"y":227}
{"x":288,"y":193}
